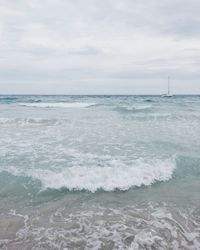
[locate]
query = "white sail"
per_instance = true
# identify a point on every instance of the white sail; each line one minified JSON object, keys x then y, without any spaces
{"x":168,"y":94}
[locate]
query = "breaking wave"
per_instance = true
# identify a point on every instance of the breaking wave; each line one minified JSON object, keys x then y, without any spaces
{"x":58,"y":105}
{"x":115,"y":176}
{"x":29,"y":121}
{"x":133,"y":108}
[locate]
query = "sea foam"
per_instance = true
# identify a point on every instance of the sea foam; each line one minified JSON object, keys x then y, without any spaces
{"x":58,"y":105}
{"x":126,"y":108}
{"x":117,"y":175}
{"x":150,"y":226}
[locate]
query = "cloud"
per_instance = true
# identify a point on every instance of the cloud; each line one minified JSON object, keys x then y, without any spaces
{"x":98,"y":43}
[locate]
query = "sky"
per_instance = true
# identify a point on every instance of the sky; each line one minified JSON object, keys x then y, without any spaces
{"x":99,"y":46}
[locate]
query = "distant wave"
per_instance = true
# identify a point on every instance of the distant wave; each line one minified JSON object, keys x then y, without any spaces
{"x":149,"y":100}
{"x":116,"y":176}
{"x":34,"y":100}
{"x":58,"y":105}
{"x":133,"y":108}
{"x":142,"y":107}
{"x":28,"y":121}
{"x":7,"y":100}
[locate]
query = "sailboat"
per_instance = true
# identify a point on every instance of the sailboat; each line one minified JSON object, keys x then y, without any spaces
{"x":168,"y":94}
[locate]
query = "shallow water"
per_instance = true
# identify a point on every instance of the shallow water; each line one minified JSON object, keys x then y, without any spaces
{"x":99,"y":172}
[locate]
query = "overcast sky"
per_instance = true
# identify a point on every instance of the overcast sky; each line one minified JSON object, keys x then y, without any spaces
{"x":99,"y":46}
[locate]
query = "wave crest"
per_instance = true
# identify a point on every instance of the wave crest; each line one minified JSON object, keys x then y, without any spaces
{"x":116,"y":176}
{"x":134,"y":108}
{"x":58,"y":105}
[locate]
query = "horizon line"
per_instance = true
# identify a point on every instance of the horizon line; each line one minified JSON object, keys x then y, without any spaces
{"x":96,"y":94}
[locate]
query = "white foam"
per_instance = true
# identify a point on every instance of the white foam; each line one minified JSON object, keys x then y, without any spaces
{"x":142,"y":107}
{"x":136,"y":107}
{"x":58,"y":105}
{"x":116,"y":175}
{"x":30,"y":120}
{"x":92,"y":226}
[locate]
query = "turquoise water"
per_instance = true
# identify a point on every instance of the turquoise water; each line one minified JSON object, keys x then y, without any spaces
{"x":99,"y":172}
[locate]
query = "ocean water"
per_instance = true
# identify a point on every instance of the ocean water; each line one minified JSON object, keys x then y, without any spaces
{"x":99,"y":172}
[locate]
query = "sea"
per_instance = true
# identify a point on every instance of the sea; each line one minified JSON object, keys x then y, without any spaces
{"x":99,"y":172}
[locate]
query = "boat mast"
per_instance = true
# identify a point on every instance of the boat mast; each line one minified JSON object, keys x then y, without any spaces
{"x":168,"y":85}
